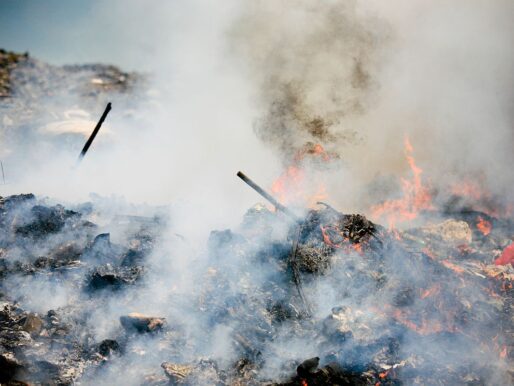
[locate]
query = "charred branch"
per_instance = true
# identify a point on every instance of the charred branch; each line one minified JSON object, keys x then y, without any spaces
{"x":94,"y":133}
{"x":268,"y":197}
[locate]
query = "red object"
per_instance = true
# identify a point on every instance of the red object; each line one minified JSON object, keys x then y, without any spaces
{"x":507,"y":256}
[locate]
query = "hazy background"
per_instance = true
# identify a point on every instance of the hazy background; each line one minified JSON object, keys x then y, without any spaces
{"x":438,"y":72}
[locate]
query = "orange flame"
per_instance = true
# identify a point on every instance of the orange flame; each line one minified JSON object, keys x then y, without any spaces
{"x":344,"y":243}
{"x":416,"y":196}
{"x":484,"y":226}
{"x":304,"y":382}
{"x":289,"y":188}
{"x":288,"y":184}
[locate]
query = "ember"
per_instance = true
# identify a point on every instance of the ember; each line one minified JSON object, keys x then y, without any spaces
{"x":483,"y":226}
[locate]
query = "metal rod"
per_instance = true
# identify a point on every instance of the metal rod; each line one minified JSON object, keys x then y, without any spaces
{"x":268,"y":196}
{"x":95,"y":132}
{"x":3,"y":174}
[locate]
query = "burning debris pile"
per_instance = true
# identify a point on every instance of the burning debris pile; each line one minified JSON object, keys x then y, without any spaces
{"x":422,"y":306}
{"x":50,"y":244}
{"x":309,"y":296}
{"x":290,"y":297}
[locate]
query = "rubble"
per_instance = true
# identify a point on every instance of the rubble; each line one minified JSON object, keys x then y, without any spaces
{"x":108,"y":347}
{"x":8,"y":62}
{"x":322,"y":298}
{"x":450,"y":231}
{"x":142,"y":323}
{"x":177,"y":373}
{"x":54,"y":347}
{"x":32,"y":324}
{"x":46,"y":220}
{"x":361,"y":343}
{"x":113,"y":278}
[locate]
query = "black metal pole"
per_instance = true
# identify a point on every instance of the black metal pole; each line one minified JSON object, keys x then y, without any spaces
{"x":267,"y":196}
{"x":95,"y":132}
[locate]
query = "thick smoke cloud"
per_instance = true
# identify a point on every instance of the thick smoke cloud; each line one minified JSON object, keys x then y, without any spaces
{"x":315,"y":64}
{"x":359,"y":76}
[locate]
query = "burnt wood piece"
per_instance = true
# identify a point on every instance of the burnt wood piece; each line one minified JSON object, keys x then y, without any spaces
{"x":95,"y":132}
{"x":268,"y":196}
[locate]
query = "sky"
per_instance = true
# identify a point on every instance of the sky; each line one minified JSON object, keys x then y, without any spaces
{"x":68,"y":32}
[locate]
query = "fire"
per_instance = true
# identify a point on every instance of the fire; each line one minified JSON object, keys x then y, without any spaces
{"x":326,"y":237}
{"x":304,"y":382}
{"x":416,"y":197}
{"x":344,"y":242}
{"x":290,"y":187}
{"x":288,"y":184}
{"x":484,"y":226}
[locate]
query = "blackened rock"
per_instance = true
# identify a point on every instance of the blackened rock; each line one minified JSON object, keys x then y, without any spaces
{"x":101,"y":242}
{"x":46,"y":220}
{"x":64,"y":255}
{"x":102,"y":250}
{"x":136,"y":322}
{"x":13,"y":201}
{"x":405,"y":297}
{"x":9,"y":366}
{"x":47,"y":371}
{"x":133,"y":257}
{"x":109,"y":277}
{"x":307,"y":367}
{"x":108,"y":347}
{"x":11,"y":338}
{"x":282,"y":311}
{"x":67,"y":252}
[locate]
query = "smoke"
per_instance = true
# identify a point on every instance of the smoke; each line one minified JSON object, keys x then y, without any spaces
{"x":315,"y":65}
{"x":357,"y":77}
{"x":246,"y":86}
{"x":181,"y":136}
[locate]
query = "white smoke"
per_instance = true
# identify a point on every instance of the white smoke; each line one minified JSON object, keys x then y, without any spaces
{"x":440,"y":72}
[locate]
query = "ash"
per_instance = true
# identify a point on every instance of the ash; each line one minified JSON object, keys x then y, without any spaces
{"x":90,"y":296}
{"x":378,"y":308}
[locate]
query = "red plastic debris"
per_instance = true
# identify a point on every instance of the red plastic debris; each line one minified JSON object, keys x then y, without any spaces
{"x":507,"y":256}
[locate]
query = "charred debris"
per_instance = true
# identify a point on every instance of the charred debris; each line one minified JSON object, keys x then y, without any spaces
{"x":367,"y":305}
{"x":462,"y":301}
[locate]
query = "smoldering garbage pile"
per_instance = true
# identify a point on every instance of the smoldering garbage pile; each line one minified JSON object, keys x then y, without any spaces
{"x":331,"y":299}
{"x":423,"y":306}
